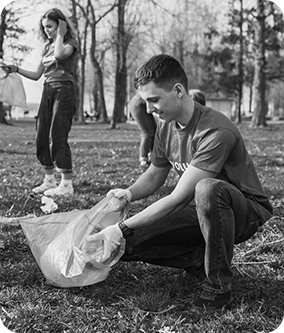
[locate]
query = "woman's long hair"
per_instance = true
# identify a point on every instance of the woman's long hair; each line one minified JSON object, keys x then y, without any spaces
{"x":55,"y":14}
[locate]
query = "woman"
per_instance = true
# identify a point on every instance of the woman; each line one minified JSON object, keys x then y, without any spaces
{"x":58,"y":102}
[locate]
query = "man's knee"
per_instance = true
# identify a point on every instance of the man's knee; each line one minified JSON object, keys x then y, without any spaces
{"x":205,"y":188}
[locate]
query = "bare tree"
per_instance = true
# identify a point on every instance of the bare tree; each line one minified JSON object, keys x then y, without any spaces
{"x":260,"y":106}
{"x":122,"y":43}
{"x":3,"y":28}
{"x":240,"y":64}
{"x":94,"y":60}
{"x":269,"y":29}
{"x":82,"y":33}
{"x":9,"y":28}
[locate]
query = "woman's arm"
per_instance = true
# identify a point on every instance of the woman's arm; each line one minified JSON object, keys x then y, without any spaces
{"x":33,"y":75}
{"x":62,"y":51}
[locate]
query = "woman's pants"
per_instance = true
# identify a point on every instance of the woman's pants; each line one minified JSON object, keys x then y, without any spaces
{"x":54,"y":120}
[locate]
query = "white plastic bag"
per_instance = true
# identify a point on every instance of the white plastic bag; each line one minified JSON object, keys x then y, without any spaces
{"x":12,"y":90}
{"x":56,"y":242}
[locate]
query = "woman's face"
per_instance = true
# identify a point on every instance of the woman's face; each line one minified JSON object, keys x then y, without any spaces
{"x":50,"y":28}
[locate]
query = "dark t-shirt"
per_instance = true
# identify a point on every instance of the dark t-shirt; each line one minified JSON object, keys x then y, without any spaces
{"x":211,"y":142}
{"x":59,"y":70}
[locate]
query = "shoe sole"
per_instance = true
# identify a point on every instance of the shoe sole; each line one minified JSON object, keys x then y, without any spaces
{"x":209,"y":309}
{"x":41,"y":191}
{"x":59,"y":195}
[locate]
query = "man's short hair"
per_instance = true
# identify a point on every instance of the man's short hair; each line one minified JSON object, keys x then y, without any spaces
{"x":165,"y":71}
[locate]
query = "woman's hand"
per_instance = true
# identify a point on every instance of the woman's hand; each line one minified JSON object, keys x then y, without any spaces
{"x":62,"y":28}
{"x":10,"y":68}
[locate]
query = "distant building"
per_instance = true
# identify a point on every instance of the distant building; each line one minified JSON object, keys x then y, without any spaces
{"x":18,"y":112}
{"x":225,"y":105}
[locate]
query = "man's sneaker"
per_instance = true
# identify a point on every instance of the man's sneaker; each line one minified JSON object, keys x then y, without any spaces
{"x":210,"y":302}
{"x":46,"y":185}
{"x":61,"y":190}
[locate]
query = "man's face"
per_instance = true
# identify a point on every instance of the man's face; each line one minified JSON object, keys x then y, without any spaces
{"x":164,"y":103}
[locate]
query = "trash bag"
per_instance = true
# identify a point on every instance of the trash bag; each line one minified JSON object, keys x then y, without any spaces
{"x":57,"y":243}
{"x":12,"y":90}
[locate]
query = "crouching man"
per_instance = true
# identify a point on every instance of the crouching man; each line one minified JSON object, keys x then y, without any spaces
{"x":217,"y":202}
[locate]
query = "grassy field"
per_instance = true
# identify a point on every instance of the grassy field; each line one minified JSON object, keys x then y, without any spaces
{"x":135,"y":297}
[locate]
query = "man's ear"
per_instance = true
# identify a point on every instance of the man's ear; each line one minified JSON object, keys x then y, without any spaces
{"x":179,"y":89}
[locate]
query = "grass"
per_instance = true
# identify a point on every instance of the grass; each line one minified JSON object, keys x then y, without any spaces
{"x":135,"y":297}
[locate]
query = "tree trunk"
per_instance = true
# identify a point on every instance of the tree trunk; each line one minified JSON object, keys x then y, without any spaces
{"x":121,"y":69}
{"x":81,"y":93}
{"x":181,"y":51}
{"x":2,"y":115}
{"x":100,"y":111}
{"x":95,"y":105}
{"x":97,"y":68}
{"x":250,"y":97}
{"x":100,"y":89}
{"x":260,"y":107}
{"x":241,"y":75}
{"x":82,"y":52}
{"x":3,"y":27}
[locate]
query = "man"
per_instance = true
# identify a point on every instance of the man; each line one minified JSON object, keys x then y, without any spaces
{"x":217,"y":202}
{"x":147,"y":123}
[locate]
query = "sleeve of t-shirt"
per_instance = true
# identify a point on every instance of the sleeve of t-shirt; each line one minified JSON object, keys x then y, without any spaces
{"x":158,"y":158}
{"x":214,"y":149}
{"x":73,"y":42}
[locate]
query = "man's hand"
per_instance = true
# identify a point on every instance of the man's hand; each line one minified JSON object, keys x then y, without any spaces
{"x":111,"y":237}
{"x":121,"y":194}
{"x":62,"y":28}
{"x":117,"y":204}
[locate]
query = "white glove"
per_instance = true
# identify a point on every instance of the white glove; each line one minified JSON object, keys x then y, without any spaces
{"x":120,"y":193}
{"x":111,"y":237}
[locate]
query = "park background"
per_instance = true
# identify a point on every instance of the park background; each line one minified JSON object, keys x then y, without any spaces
{"x":135,"y":297}
{"x":232,"y":50}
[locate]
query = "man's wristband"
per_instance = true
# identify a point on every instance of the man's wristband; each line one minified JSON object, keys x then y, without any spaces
{"x":126,"y":231}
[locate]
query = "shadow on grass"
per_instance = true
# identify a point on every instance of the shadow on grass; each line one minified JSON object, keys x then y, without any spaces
{"x":137,"y":282}
{"x":151,"y":294}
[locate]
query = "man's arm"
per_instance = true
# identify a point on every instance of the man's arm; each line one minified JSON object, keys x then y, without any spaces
{"x":149,"y":182}
{"x":145,"y":185}
{"x":177,"y":200}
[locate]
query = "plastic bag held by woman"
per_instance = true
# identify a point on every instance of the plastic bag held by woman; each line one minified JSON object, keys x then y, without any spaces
{"x":58,"y":243}
{"x":12,"y":90}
